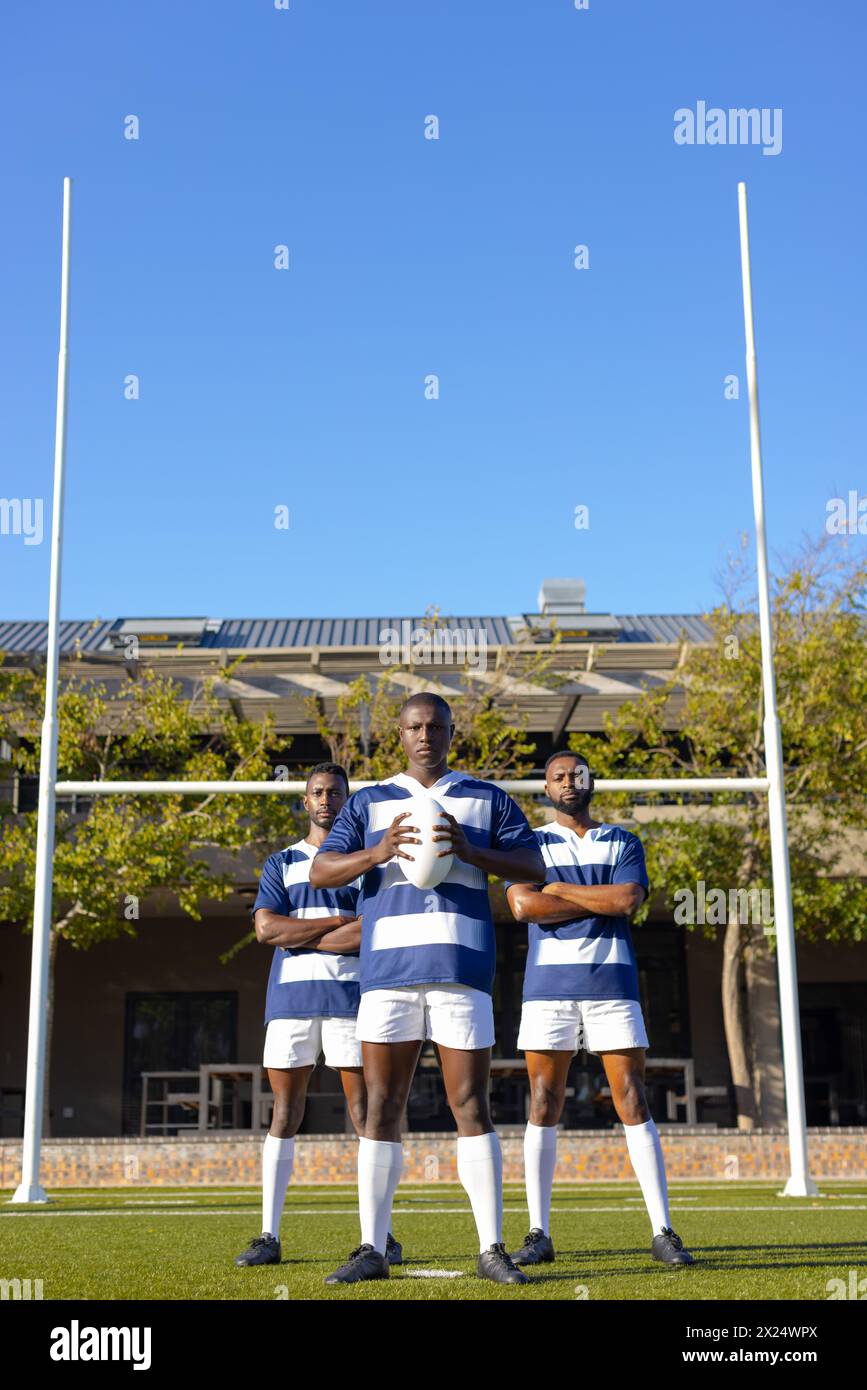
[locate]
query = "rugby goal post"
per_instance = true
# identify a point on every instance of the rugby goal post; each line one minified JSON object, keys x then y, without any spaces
{"x":30,"y":1190}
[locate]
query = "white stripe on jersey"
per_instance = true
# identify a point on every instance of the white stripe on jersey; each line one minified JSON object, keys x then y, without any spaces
{"x":563,"y":855}
{"x":581,"y":950}
{"x":474,"y":811}
{"x":429,"y":929}
{"x":318,"y":965}
{"x":466,"y":875}
{"x":299,"y":870}
{"x":380,"y":814}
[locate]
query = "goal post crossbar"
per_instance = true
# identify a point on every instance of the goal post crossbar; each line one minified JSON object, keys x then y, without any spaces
{"x":514,"y":786}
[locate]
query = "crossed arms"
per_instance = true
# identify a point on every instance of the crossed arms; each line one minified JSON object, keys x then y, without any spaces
{"x":568,"y":902}
{"x":339,"y":934}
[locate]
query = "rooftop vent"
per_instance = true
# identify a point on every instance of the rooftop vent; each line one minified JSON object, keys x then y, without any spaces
{"x":561,"y":608}
{"x":561,"y":596}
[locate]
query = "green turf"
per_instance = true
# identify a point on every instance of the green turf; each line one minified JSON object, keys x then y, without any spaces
{"x":175,"y":1243}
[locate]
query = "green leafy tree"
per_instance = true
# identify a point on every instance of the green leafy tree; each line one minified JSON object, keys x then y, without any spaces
{"x":113,"y":853}
{"x":707,"y":721}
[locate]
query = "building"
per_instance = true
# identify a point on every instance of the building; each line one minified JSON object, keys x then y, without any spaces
{"x":165,"y":1003}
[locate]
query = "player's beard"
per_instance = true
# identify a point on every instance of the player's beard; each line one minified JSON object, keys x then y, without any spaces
{"x":573,"y":806}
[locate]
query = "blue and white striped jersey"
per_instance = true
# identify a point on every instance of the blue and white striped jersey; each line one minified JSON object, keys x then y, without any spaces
{"x":442,"y":935}
{"x":592,"y":958}
{"x":306,"y":983}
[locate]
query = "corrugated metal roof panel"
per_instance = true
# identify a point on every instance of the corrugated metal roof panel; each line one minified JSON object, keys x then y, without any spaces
{"x":271,"y":633}
{"x":33,"y":636}
{"x":663,"y":627}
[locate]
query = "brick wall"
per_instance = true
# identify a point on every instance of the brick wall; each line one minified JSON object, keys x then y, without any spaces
{"x":588,"y":1156}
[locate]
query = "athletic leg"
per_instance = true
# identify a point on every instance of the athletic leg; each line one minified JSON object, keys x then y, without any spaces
{"x":388,"y":1072}
{"x":355,"y":1091}
{"x":289,"y":1086}
{"x":624,"y":1069}
{"x":278,"y":1154}
{"x":390,"y":1028}
{"x":352,"y":1082}
{"x":466,"y":1076}
{"x":547,"y":1073}
{"x":615,"y":1030}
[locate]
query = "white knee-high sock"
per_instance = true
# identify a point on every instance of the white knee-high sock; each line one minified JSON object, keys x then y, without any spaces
{"x":379,"y":1169}
{"x":540,"y":1160}
{"x":480,"y":1169}
{"x":278,"y":1156}
{"x":645,"y":1151}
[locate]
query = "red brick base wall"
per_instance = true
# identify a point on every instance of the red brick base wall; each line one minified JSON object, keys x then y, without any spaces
{"x":582,"y":1156}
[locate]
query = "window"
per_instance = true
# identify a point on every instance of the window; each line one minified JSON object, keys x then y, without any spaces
{"x":834,"y":1043}
{"x":174,"y":1032}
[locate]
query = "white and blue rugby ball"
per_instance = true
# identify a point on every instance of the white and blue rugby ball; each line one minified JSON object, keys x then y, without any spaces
{"x":425,"y":869}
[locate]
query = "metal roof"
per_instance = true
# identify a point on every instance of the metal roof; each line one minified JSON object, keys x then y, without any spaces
{"x":260,"y":634}
{"x":33,"y":636}
{"x":664,"y":627}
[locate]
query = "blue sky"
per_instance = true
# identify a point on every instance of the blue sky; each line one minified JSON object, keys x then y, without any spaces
{"x":304,"y":388}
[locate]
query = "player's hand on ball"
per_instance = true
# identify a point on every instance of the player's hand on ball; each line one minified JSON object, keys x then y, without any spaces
{"x":395,"y":836}
{"x":454,"y":839}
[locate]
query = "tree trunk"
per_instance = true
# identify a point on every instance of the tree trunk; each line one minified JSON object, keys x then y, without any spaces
{"x":53,"y":938}
{"x":764,"y":1029}
{"x":734,"y":1020}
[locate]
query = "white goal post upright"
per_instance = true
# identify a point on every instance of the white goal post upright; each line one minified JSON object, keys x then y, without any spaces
{"x":799,"y":1184}
{"x":29,"y":1189}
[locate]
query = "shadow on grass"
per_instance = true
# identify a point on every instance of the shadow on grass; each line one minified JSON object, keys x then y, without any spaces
{"x":814,"y":1245}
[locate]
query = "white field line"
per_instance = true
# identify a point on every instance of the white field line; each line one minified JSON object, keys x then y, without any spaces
{"x":147,"y":1202}
{"x":183,"y":1191}
{"x":421,"y":1211}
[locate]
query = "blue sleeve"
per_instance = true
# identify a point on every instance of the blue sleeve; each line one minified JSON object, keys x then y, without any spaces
{"x":510,"y":828}
{"x":272,"y":890}
{"x":346,"y":835}
{"x":630,"y":867}
{"x":512,"y":831}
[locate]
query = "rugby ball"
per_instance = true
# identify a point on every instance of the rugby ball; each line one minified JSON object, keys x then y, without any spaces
{"x":425,"y":869}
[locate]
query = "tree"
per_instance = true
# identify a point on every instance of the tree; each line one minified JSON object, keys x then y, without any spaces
{"x":707,"y":721}
{"x":115,"y":851}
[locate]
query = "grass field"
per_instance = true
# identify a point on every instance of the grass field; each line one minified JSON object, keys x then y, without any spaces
{"x":177,"y":1243}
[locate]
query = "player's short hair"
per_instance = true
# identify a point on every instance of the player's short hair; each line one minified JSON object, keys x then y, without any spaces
{"x":566,"y":753}
{"x":334,"y":768}
{"x":427,"y":697}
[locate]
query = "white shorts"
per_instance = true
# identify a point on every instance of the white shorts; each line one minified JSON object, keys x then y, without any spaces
{"x":453,"y":1015}
{"x":297,"y":1042}
{"x":596,"y":1025}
